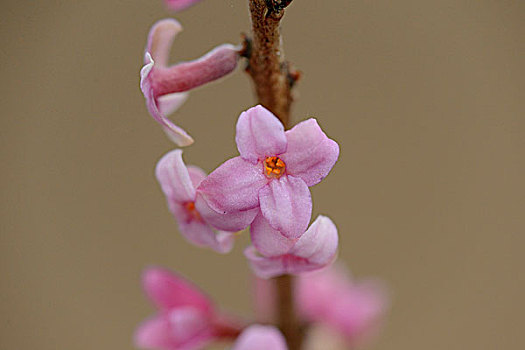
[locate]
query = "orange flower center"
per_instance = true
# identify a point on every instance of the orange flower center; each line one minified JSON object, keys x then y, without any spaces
{"x":274,"y":167}
{"x":190,"y":207}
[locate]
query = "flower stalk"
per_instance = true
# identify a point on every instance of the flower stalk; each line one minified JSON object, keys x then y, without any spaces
{"x":287,"y":319}
{"x":273,"y":82}
{"x":267,"y":68}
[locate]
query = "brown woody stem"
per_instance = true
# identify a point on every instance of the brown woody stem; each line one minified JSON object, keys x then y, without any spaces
{"x":286,"y":316}
{"x":267,"y":68}
{"x":273,"y":79}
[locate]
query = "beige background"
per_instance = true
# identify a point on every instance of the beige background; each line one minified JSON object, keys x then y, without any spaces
{"x":426,"y":99}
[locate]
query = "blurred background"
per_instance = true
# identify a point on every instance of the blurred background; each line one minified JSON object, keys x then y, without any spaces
{"x":426,"y":99}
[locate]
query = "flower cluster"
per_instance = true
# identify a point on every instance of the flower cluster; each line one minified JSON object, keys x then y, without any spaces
{"x":188,"y":319}
{"x":264,"y":189}
{"x":332,"y":303}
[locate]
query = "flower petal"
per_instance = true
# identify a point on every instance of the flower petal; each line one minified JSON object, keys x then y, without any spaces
{"x":269,"y":267}
{"x":315,"y":249}
{"x":315,"y":290}
{"x":259,"y":134}
{"x":174,"y":178}
{"x":287,"y":205}
{"x":257,"y":337}
{"x":146,"y":70}
{"x":354,"y":309}
{"x":310,"y":154}
{"x":160,"y":39}
{"x":154,"y":333}
{"x":168,"y":104}
{"x":233,"y":186}
{"x":179,"y":5}
{"x":190,"y":328}
{"x":175,"y":133}
{"x":318,"y":245}
{"x":202,"y":235}
{"x":196,"y":175}
{"x":225,"y":241}
{"x":268,"y":241}
{"x":232,"y":221}
{"x":169,"y":291}
{"x":262,"y":266}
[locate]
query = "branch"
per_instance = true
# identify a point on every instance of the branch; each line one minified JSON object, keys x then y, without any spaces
{"x":273,"y":80}
{"x":271,"y":75}
{"x":287,"y":318}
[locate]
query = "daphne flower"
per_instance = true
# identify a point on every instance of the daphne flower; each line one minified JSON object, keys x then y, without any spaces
{"x":179,"y":5}
{"x":187,"y":318}
{"x":272,"y":254}
{"x":165,"y":88}
{"x":257,"y":337}
{"x":330,"y":298}
{"x":273,"y":173}
{"x":178,"y":183}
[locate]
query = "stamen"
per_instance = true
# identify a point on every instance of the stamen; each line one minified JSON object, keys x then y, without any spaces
{"x":190,"y":207}
{"x":274,"y":167}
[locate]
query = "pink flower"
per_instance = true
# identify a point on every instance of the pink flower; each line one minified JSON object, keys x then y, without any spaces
{"x":178,"y":183}
{"x":272,"y":175}
{"x":179,"y":5}
{"x":272,"y":254}
{"x":165,"y":88}
{"x":257,"y":337}
{"x":187,"y":318}
{"x":329,"y":297}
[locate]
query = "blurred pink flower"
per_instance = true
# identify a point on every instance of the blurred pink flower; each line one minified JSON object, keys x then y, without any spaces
{"x":272,"y":254}
{"x":332,"y":302}
{"x":178,"y":183}
{"x":330,"y":297}
{"x":272,"y":174}
{"x":179,"y":5}
{"x":187,"y":318}
{"x":257,"y":337}
{"x":165,"y":88}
